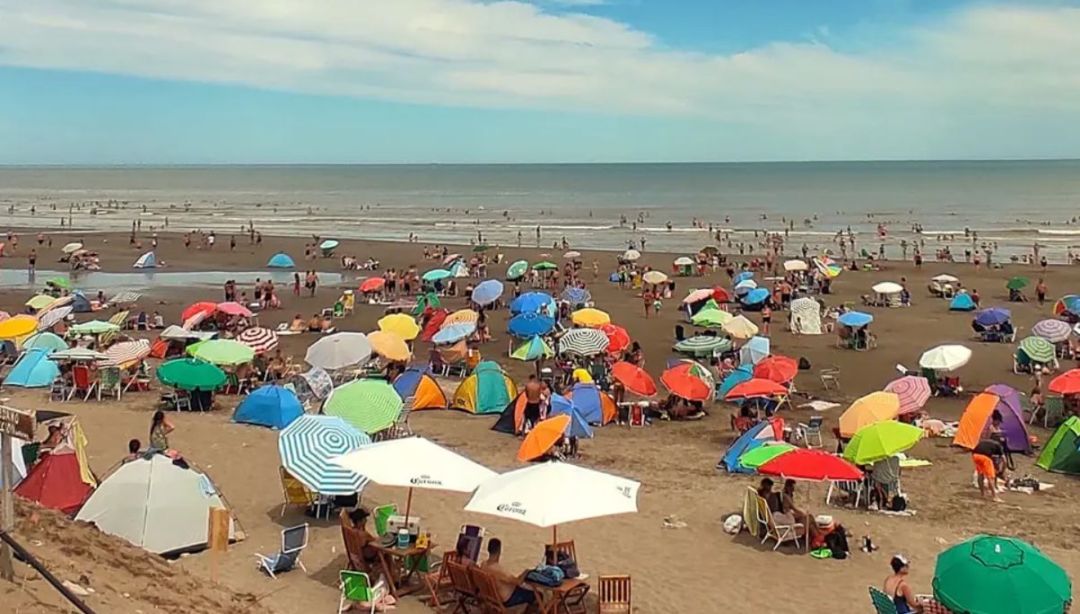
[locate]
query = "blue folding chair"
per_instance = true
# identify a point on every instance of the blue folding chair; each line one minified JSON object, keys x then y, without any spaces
{"x":293,"y":542}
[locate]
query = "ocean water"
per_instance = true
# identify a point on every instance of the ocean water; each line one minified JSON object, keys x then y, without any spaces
{"x":1012,"y":204}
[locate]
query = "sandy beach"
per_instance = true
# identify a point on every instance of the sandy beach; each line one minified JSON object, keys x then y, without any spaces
{"x":695,"y":568}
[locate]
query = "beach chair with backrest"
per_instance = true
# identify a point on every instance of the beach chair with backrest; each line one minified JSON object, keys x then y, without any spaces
{"x":470,"y":542}
{"x":295,"y":492}
{"x":881,"y":601}
{"x":59,"y":390}
{"x":811,"y":432}
{"x":613,"y":595}
{"x":1053,"y":411}
{"x":356,"y":587}
{"x":293,"y":542}
{"x":779,"y":532}
{"x":354,"y":541}
{"x":438,"y":582}
{"x":465,"y":593}
{"x":109,"y":382}
{"x":82,"y":382}
{"x":830,"y":378}
{"x":487,"y":591}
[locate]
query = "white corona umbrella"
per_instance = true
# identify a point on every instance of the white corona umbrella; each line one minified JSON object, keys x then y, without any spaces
{"x":338,"y":351}
{"x":945,"y":358}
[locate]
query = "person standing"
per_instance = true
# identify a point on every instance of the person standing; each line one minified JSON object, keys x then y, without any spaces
{"x":766,"y":319}
{"x":1040,"y":290}
{"x":31,"y":263}
{"x":160,"y":427}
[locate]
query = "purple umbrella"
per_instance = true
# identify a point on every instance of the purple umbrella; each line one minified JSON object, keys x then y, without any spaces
{"x":1054,"y":331}
{"x":914,"y":392}
{"x":993,"y":316}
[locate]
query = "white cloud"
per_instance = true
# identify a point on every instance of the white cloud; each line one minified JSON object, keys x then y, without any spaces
{"x":996,"y":59}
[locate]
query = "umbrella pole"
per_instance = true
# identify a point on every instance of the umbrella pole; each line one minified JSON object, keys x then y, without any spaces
{"x":408,"y":507}
{"x":554,"y":536}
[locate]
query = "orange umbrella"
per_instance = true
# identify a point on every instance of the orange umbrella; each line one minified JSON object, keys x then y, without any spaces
{"x":372,"y":284}
{"x":1066,"y":383}
{"x":634,"y":378}
{"x":206,"y":308}
{"x":543,"y":437}
{"x":690,"y":381}
{"x":756,"y":387}
{"x":779,"y":369}
{"x":618,"y":338}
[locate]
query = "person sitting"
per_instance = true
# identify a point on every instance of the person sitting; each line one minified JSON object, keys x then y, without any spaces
{"x":511,"y":589}
{"x":134,"y":446}
{"x":297,"y":325}
{"x":275,"y":369}
{"x":369,"y":554}
{"x":897,"y":588}
{"x":315,"y":324}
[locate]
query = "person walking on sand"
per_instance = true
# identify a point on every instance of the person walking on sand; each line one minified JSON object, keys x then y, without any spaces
{"x":647,"y":298}
{"x":1040,"y":290}
{"x":296,"y":284}
{"x":766,"y":319}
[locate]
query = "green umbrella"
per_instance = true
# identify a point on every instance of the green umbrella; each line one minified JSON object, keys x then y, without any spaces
{"x":711,"y":318}
{"x":545,"y":266}
{"x":763,"y":454}
{"x":881,"y":440}
{"x":703,"y":345}
{"x":60,"y":282}
{"x":48,"y":341}
{"x":481,"y":248}
{"x":1038,"y":349}
{"x":222,"y":352}
{"x":94,"y":327}
{"x":191,"y":374}
{"x":1017,"y":283}
{"x":436,"y":275}
{"x":370,"y":405}
{"x":517,"y":270}
{"x":991,"y":574}
{"x":533,"y":349}
{"x":39,"y":301}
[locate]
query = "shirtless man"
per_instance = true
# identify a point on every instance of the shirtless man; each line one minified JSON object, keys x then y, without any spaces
{"x":533,"y":403}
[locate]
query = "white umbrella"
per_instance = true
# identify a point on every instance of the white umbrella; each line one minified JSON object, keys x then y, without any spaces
{"x":77,"y":354}
{"x":945,"y":279}
{"x":338,"y":351}
{"x":945,"y":358}
{"x":570,"y":255}
{"x":631,"y":254}
{"x":684,"y":261}
{"x":550,"y":494}
{"x":72,"y":247}
{"x":654,"y":277}
{"x":53,"y":316}
{"x":887,"y":287}
{"x":415,"y":462}
{"x":796,"y":265}
{"x":176,"y":333}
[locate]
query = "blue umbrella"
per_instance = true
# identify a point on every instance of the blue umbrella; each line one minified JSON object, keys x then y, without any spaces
{"x":578,"y":427}
{"x":993,"y":316}
{"x":855,"y":319}
{"x":280,"y":260}
{"x":454,"y":333}
{"x":741,"y":277}
{"x":307,"y":445}
{"x":755,"y":296}
{"x":576,"y":296}
{"x":754,"y":350}
{"x":736,"y":377}
{"x":487,"y":292}
{"x":530,"y":324}
{"x":531,"y":302}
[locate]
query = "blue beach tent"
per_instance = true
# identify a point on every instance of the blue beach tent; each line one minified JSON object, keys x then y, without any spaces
{"x":962,"y":302}
{"x":33,"y":370}
{"x":79,"y":302}
{"x":579,"y":426}
{"x":272,"y":406}
{"x":280,"y":260}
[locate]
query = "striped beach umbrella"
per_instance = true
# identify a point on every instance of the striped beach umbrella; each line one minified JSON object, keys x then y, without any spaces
{"x":703,"y":345}
{"x":1054,"y":331}
{"x":461,"y":316}
{"x":1037,"y":349}
{"x":307,"y":445}
{"x":369,"y":405}
{"x":517,"y":270}
{"x":914,"y":392}
{"x":52,"y":317}
{"x":262,"y":340}
{"x":583,"y":342}
{"x":127,"y":352}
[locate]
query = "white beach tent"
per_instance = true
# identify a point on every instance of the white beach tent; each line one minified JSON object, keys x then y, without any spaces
{"x":146,"y":261}
{"x":156,"y":505}
{"x":805,"y":316}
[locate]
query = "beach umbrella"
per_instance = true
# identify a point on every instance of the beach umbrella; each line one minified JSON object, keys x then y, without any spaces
{"x":450,"y":259}
{"x":309,"y":443}
{"x":461,"y":316}
{"x":683,"y":261}
{"x":453,"y":333}
{"x":855,"y":319}
{"x":206,"y":308}
{"x":389,"y":345}
{"x":93,"y":327}
{"x":60,"y":282}
{"x":740,"y":328}
{"x":146,"y":261}
{"x":755,"y":350}
{"x":780,"y":369}
{"x":46,"y":341}
{"x":689,"y":380}
{"x":618,"y":338}
{"x":745,"y":286}
{"x":945,"y":358}
{"x":52,"y":317}
{"x":654,"y":277}
{"x":401,"y":324}
{"x":913,"y":392}
{"x":261,"y":340}
{"x":1017,"y":283}
{"x":795,"y":265}
{"x":743,"y":276}
{"x":533,"y":349}
{"x":813,"y":465}
{"x":755,"y":296}
{"x":741,"y":374}
{"x":127,"y":352}
{"x":369,"y":405}
{"x":517,"y":270}
{"x":1037,"y":349}
{"x":579,"y":427}
{"x":487,"y":292}
{"x":992,"y":574}
{"x":39,"y":301}
{"x":543,"y":437}
{"x":633,"y":378}
{"x":436,"y":275}
{"x":828,"y":267}
{"x":878,"y":441}
{"x":874,"y":407}
{"x":576,"y":296}
{"x":696,"y":296}
{"x":338,"y":351}
{"x":756,"y":388}
{"x":590,"y":317}
{"x":372,"y":284}
{"x":280,"y":260}
{"x":711,"y":317}
{"x":992,"y":316}
{"x":1054,"y":331}
{"x":1069,"y":303}
{"x":756,"y":457}
{"x":572,"y":254}
{"x":328,"y":246}
{"x":77,"y":354}
{"x":72,"y":247}
{"x":887,"y":287}
{"x":583,"y":342}
{"x":191,"y":374}
{"x":232,"y":308}
{"x":631,"y":255}
{"x":222,"y":352}
{"x":545,"y":266}
{"x":703,"y":345}
{"x":530,"y":324}
{"x":480,"y":248}
{"x":1066,"y":383}
{"x":531,"y":302}
{"x":945,"y":279}
{"x":176,"y":333}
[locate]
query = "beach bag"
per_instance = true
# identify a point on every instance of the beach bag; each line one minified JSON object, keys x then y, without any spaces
{"x":804,"y":363}
{"x":898,"y":503}
{"x":546,"y":575}
{"x":733,"y":524}
{"x":836,"y":542}
{"x":564,"y":562}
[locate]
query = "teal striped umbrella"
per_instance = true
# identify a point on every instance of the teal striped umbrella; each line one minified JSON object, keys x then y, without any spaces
{"x":1037,"y":349}
{"x":370,"y":405}
{"x":703,"y":345}
{"x":307,"y":445}
{"x":436,"y":275}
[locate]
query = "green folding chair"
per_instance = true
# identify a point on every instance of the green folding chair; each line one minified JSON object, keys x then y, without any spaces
{"x":356,"y":587}
{"x":382,"y":518}
{"x":881,"y":601}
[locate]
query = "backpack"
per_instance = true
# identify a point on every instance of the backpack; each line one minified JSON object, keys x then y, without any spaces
{"x":836,"y":542}
{"x":564,"y":562}
{"x":546,"y":575}
{"x":898,"y":503}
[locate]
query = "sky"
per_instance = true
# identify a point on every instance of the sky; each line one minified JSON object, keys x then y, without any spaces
{"x":478,"y":81}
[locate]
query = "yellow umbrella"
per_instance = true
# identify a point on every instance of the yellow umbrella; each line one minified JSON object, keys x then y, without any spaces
{"x":582,"y":376}
{"x":590,"y":317}
{"x":18,"y":326}
{"x":402,"y":325}
{"x":389,"y":345}
{"x":39,"y":301}
{"x":740,"y":328}
{"x":874,"y":407}
{"x":654,"y":277}
{"x":461,"y":316}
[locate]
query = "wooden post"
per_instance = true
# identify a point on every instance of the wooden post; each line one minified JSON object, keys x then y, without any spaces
{"x":7,"y":506}
{"x":217,"y":537}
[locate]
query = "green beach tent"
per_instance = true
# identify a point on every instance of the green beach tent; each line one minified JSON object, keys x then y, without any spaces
{"x":1062,"y":452}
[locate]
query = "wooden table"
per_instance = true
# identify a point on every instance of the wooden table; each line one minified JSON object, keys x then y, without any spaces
{"x":393,"y":560}
{"x":555,"y":597}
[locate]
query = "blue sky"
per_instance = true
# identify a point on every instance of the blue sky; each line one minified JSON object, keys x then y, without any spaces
{"x":339,"y":81}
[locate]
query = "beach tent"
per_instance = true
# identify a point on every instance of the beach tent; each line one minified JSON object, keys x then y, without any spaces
{"x":55,"y":482}
{"x":962,"y":302}
{"x":976,"y":419}
{"x":418,"y":384}
{"x":486,"y":391}
{"x":510,"y":421}
{"x":146,"y":261}
{"x":805,"y":316}
{"x":280,"y":260}
{"x":33,"y":370}
{"x":155,"y":504}
{"x":270,"y":405}
{"x":79,"y":302}
{"x":762,"y":433}
{"x":1062,"y":452}
{"x":596,"y":406}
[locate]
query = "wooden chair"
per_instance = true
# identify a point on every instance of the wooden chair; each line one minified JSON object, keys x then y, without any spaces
{"x":487,"y":589}
{"x":465,"y":592}
{"x":355,"y":541}
{"x":781,"y":533}
{"x":613,"y":595}
{"x":295,"y":492}
{"x":438,"y":582}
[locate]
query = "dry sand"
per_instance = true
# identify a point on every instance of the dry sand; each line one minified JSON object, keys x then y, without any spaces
{"x":698,"y":568}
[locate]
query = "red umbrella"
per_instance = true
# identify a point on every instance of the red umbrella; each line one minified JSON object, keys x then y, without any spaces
{"x":803,"y":464}
{"x":634,"y":378}
{"x":756,"y":387}
{"x":690,"y":381}
{"x":779,"y":369}
{"x":233,"y":308}
{"x":721,"y":295}
{"x":618,"y":338}
{"x":435,"y":320}
{"x":205,"y":308}
{"x":1066,"y":383}
{"x":372,"y":284}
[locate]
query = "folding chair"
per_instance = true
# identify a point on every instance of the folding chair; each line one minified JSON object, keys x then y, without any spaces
{"x":881,"y":601}
{"x":356,"y":586}
{"x":295,"y":493}
{"x":110,"y":382}
{"x":830,"y":378}
{"x":779,"y":532}
{"x":382,"y":516}
{"x":80,"y":377}
{"x":293,"y":542}
{"x":487,"y":590}
{"x":470,"y":540}
{"x":464,"y":589}
{"x":812,"y":431}
{"x":613,"y":595}
{"x":438,"y":581}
